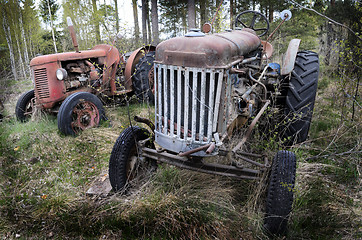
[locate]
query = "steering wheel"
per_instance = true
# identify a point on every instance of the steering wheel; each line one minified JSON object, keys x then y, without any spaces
{"x":257,"y":21}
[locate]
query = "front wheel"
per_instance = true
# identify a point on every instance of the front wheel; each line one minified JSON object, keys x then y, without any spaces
{"x":126,"y":165}
{"x":280,"y":193}
{"x":79,"y":111}
{"x":25,"y":106}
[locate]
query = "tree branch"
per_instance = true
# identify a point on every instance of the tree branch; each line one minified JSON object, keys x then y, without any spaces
{"x":329,"y":19}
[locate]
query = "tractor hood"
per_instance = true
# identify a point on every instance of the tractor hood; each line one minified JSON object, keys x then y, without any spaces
{"x":98,"y":51}
{"x":196,"y":49}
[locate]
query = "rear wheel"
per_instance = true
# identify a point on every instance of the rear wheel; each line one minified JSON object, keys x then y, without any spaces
{"x":143,"y":82}
{"x":280,"y":193}
{"x":78,"y":112}
{"x":126,"y":166}
{"x":25,"y":106}
{"x":300,"y":97}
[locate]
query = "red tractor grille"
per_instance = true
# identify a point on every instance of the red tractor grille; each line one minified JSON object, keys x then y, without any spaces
{"x":41,"y":83}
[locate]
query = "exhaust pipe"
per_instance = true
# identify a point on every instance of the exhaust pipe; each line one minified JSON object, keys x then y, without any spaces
{"x":72,"y":34}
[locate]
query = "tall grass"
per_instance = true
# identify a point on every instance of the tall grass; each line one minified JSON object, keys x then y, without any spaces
{"x":44,"y":177}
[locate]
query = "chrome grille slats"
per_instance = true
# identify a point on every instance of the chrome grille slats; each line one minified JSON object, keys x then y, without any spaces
{"x":187,"y":105}
{"x":41,"y":83}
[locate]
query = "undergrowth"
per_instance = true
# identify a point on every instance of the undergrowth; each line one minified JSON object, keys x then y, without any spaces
{"x":44,"y":178}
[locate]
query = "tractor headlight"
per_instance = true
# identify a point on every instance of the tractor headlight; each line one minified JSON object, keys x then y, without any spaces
{"x":61,"y":74}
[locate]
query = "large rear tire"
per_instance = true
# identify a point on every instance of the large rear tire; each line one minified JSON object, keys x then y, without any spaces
{"x":280,"y":193}
{"x":80,"y":111}
{"x":143,"y":82}
{"x":25,"y":106}
{"x":125,"y":164}
{"x":300,"y":97}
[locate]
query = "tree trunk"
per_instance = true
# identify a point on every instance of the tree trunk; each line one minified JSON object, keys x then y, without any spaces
{"x":144,"y":21}
{"x":21,"y":62}
{"x":184,"y":21}
{"x":10,"y":46}
{"x":96,"y":22}
{"x":191,"y":14}
{"x":231,"y":14}
{"x":135,"y":19}
{"x":271,"y":12}
{"x":203,"y":18}
{"x":26,"y":54}
{"x":52,"y":27}
{"x":155,"y":32}
{"x":116,"y":15}
{"x":149,"y":33}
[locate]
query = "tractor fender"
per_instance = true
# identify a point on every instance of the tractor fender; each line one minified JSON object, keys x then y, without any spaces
{"x":290,"y":55}
{"x":132,"y":62}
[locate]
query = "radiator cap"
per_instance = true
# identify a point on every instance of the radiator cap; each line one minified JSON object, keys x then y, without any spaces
{"x":195,"y":32}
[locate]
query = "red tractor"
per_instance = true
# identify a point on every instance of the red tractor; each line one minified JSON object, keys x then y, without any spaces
{"x":212,"y":88}
{"x":69,"y":83}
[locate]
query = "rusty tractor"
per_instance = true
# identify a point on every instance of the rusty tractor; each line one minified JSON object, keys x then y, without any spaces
{"x":71,"y":84}
{"x":209,"y":87}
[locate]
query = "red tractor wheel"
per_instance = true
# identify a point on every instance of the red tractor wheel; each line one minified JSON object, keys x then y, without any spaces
{"x":78,"y":112}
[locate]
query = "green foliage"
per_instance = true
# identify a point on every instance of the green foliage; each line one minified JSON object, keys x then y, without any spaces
{"x":44,"y":7}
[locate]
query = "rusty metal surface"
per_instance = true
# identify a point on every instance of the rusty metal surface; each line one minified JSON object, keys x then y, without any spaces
{"x":195,"y":150}
{"x":145,"y":121}
{"x":49,"y":90}
{"x":210,"y":51}
{"x":40,"y":60}
{"x":131,"y":63}
{"x":267,"y":49}
{"x":290,"y":55}
{"x":200,"y":166}
{"x":110,"y":63}
{"x":256,"y":119}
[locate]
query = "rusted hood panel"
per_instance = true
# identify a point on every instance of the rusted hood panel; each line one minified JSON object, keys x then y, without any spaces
{"x":97,"y":51}
{"x":211,"y":51}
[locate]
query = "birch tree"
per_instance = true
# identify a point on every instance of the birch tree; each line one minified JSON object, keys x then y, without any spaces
{"x":49,"y":10}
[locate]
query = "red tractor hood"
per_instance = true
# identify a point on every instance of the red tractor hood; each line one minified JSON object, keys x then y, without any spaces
{"x":96,"y":52}
{"x":211,"y":51}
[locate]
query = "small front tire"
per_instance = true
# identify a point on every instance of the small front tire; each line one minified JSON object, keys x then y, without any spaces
{"x":125,"y":163}
{"x":80,"y":111}
{"x":25,"y":106}
{"x":280,"y":193}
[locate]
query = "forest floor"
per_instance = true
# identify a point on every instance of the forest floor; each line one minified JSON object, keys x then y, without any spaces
{"x":44,"y":177}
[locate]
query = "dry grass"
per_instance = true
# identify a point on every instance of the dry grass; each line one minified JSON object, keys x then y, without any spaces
{"x":44,"y":177}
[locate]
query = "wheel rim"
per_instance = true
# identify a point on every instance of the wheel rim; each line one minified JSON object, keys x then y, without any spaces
{"x":85,"y":115}
{"x":28,"y":110}
{"x":151,"y":80}
{"x":137,"y":168}
{"x":132,"y":164}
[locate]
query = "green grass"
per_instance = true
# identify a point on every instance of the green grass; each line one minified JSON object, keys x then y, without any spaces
{"x":44,"y":177}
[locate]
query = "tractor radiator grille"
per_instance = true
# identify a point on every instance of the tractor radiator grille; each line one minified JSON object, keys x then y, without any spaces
{"x":41,"y":83}
{"x":187,"y":105}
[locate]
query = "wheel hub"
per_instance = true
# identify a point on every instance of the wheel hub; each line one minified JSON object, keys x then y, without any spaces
{"x":85,"y":115}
